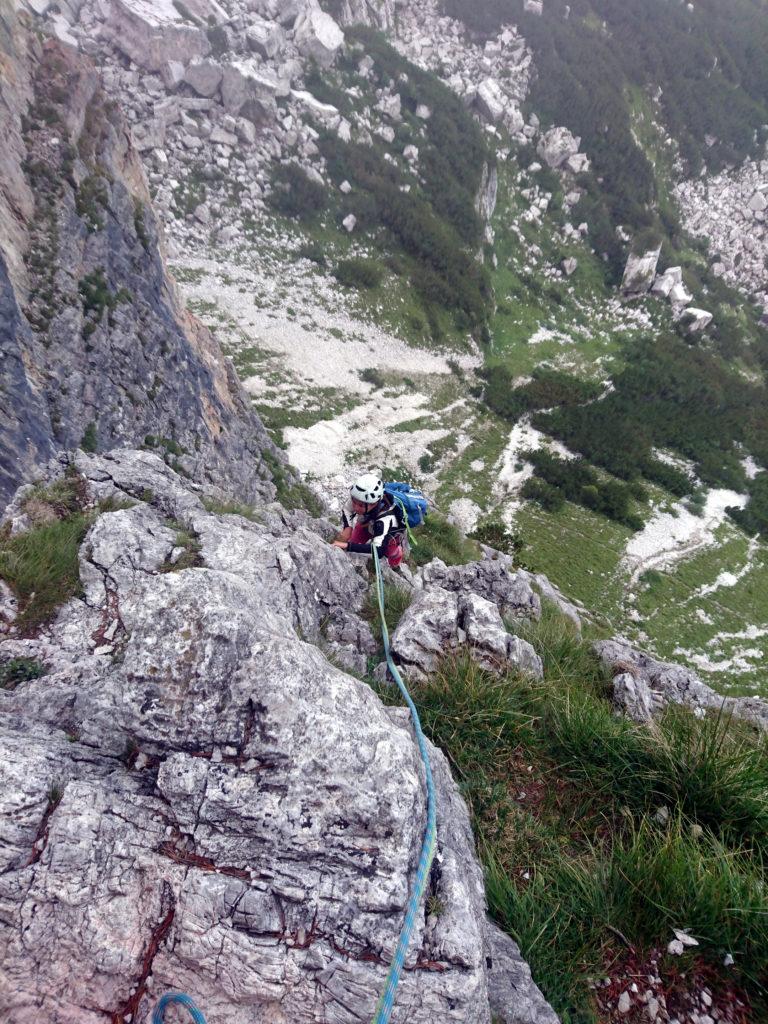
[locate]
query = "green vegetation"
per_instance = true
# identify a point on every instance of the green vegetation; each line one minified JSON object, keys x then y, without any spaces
{"x":19,"y":670}
{"x":570,"y":866}
{"x":669,"y":395}
{"x":41,"y":567}
{"x":396,"y":601}
{"x":291,"y":493}
{"x":437,"y":538}
{"x":189,"y":541}
{"x":91,"y":200}
{"x":574,"y":480}
{"x":90,"y":439}
{"x":358,"y":273}
{"x":229,"y":508}
{"x":548,"y":388}
{"x":295,"y":194}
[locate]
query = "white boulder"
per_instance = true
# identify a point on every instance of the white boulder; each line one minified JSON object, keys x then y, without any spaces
{"x":665,"y":282}
{"x":640,"y":272}
{"x":696,"y":319}
{"x":318,"y":36}
{"x":557,"y":145}
{"x":534,"y":7}
{"x":265,"y":38}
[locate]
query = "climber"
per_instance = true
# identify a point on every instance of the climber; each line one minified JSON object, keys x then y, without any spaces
{"x":371,"y":517}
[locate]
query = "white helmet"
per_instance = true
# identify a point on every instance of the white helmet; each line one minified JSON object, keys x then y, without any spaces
{"x":367,"y":488}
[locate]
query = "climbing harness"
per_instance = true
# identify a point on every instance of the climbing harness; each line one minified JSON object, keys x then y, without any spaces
{"x":387,"y":1000}
{"x":183,"y":1000}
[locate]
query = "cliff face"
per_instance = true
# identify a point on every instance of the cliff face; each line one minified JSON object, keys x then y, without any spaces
{"x":96,"y":347}
{"x":193,"y":797}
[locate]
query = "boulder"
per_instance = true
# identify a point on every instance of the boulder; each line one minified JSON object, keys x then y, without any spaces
{"x":154,"y":34}
{"x":557,"y":145}
{"x":349,"y":222}
{"x":439,"y":623}
{"x":695,"y":320}
{"x":534,"y":7}
{"x":675,"y":684}
{"x":758,"y":203}
{"x":640,"y":272}
{"x":665,"y":282}
{"x":265,"y":38}
{"x":511,"y":592}
{"x":577,"y":163}
{"x":491,"y":100}
{"x":172,"y":74}
{"x":250,"y":91}
{"x":679,"y":294}
{"x":569,"y":265}
{"x":390,"y":105}
{"x":317,"y":36}
{"x":204,"y":76}
{"x":634,"y":698}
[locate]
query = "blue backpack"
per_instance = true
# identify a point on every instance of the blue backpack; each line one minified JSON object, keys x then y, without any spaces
{"x":411,"y":500}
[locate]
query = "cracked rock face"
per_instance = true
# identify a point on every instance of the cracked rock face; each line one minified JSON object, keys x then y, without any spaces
{"x":195,"y":798}
{"x":441,"y":621}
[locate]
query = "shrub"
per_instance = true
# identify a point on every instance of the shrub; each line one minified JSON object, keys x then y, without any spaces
{"x":498,"y":536}
{"x":437,"y":538}
{"x":295,"y":194}
{"x":549,"y":497}
{"x":90,"y":440}
{"x":358,"y":273}
{"x":19,"y":670}
{"x":372,"y":375}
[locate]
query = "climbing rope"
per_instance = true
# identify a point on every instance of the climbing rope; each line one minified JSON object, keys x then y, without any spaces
{"x":387,"y":1000}
{"x":183,"y":1000}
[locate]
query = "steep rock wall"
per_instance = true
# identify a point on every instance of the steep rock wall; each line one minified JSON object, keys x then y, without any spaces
{"x":96,"y":344}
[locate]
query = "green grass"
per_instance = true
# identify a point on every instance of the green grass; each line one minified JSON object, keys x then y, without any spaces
{"x":437,"y":538}
{"x":42,"y":569}
{"x":396,"y":601}
{"x":563,"y":797}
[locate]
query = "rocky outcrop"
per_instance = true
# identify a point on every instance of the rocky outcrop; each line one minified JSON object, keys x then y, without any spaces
{"x":459,"y":609}
{"x":98,"y":348}
{"x":653,"y":684}
{"x":640,"y":272}
{"x":195,"y":798}
{"x":730,"y":210}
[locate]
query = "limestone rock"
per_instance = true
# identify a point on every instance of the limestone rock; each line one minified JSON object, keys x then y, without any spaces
{"x":557,"y":145}
{"x":696,"y":320}
{"x":665,"y":282}
{"x":215,"y":783}
{"x":633,"y":697}
{"x":204,"y":76}
{"x":640,"y":272}
{"x":676,"y":684}
{"x":511,"y":592}
{"x":250,"y":91}
{"x":265,"y":38}
{"x":318,"y":36}
{"x":153,"y":34}
{"x":439,"y":622}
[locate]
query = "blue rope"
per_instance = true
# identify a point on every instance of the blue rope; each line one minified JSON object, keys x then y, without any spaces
{"x":183,"y":1000}
{"x":387,"y":1000}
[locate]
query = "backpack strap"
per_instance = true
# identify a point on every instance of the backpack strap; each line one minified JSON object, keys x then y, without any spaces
{"x":403,"y":509}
